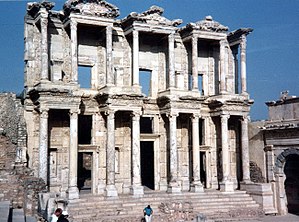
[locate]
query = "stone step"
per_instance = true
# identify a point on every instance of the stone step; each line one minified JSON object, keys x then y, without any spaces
{"x":4,"y":210}
{"x":128,"y":208}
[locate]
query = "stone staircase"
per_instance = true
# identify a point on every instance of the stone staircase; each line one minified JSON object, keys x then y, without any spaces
{"x":207,"y":206}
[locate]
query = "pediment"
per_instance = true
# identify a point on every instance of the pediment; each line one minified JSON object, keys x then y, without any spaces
{"x":209,"y":25}
{"x":153,"y":16}
{"x":91,"y":7}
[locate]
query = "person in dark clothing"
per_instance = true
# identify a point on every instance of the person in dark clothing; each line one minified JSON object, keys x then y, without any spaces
{"x":61,"y":216}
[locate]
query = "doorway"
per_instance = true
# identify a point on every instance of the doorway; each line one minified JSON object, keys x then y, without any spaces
{"x":147,"y":164}
{"x":291,"y":183}
{"x":203,"y":174}
{"x":85,"y":171}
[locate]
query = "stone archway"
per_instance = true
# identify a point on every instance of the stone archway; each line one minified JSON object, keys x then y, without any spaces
{"x":287,"y":163}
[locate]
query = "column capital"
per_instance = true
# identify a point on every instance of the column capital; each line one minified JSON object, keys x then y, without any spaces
{"x":245,"y":118}
{"x":44,"y":113}
{"x":243,"y":43}
{"x":109,"y":112}
{"x":172,"y":115}
{"x":195,"y":116}
{"x":224,"y":117}
{"x":73,"y":24}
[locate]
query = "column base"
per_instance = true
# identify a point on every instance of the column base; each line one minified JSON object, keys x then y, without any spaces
{"x":111,"y":191}
{"x":73,"y":193}
{"x":173,"y":187}
{"x":227,"y":186}
{"x":197,"y":187}
{"x":136,"y":190}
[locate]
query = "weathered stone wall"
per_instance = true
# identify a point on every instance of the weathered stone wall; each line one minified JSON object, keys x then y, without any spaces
{"x":256,"y":151}
{"x":10,"y":115}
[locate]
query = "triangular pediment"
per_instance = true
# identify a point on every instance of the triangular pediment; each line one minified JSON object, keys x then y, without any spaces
{"x":153,"y":16}
{"x":209,"y":25}
{"x":91,"y":7}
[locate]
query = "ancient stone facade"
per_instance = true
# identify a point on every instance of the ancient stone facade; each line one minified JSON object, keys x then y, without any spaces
{"x":276,"y":142}
{"x":184,"y":129}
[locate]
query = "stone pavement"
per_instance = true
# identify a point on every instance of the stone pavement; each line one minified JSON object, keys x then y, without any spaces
{"x":286,"y":218}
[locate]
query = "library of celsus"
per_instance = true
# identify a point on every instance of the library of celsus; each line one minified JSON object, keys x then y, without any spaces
{"x":142,"y":103}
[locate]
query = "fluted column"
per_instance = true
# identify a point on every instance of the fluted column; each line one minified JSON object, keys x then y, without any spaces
{"x":194,"y":63}
{"x":73,"y":192}
{"x":223,"y":70}
{"x":243,"y":64}
{"x":196,"y":185}
{"x":135,"y":58}
{"x":136,"y":188}
{"x":226,"y":184}
{"x":171,"y":60}
{"x":74,"y":51}
{"x":110,"y":155}
{"x":43,"y":145}
{"x":245,"y":149}
{"x":109,"y":71}
{"x":44,"y":45}
{"x":173,"y":186}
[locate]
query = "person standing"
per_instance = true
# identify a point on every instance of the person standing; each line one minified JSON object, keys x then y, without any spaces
{"x":148,"y":211}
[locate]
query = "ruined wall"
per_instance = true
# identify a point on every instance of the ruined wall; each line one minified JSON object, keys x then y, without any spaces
{"x":256,"y":152}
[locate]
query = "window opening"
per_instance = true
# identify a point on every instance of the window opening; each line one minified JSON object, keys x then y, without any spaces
{"x":145,"y":81}
{"x":117,"y":158}
{"x":84,"y":129}
{"x":200,"y":84}
{"x":146,"y":125}
{"x":84,"y":76}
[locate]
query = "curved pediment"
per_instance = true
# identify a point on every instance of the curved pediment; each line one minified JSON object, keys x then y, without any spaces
{"x":152,"y":16}
{"x":91,"y":7}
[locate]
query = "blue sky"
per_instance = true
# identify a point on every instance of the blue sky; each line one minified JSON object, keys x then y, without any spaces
{"x":272,"y":48}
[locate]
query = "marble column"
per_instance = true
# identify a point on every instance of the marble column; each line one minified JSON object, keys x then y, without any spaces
{"x":223,"y":70}
{"x":43,"y":145}
{"x":136,"y":188}
{"x":173,"y":186}
{"x":110,"y":155}
{"x":109,"y":70}
{"x":74,"y":52}
{"x":194,"y":63}
{"x":171,"y":60}
{"x":243,"y":64}
{"x":196,"y":185}
{"x":135,"y":58}
{"x":44,"y":44}
{"x":226,"y":185}
{"x":245,"y":149}
{"x":73,"y":191}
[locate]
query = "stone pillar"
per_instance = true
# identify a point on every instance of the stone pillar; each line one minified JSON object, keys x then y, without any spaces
{"x":136,"y":188}
{"x":173,"y":186}
{"x":194,"y":63}
{"x":74,"y":51}
{"x":196,"y":185}
{"x":171,"y":60}
{"x":226,"y":185}
{"x":43,"y":145}
{"x":73,"y":191}
{"x":135,"y":58}
{"x":44,"y":44}
{"x":245,"y":150}
{"x":223,"y":70}
{"x":109,"y":71}
{"x":110,"y":156}
{"x":243,"y":64}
